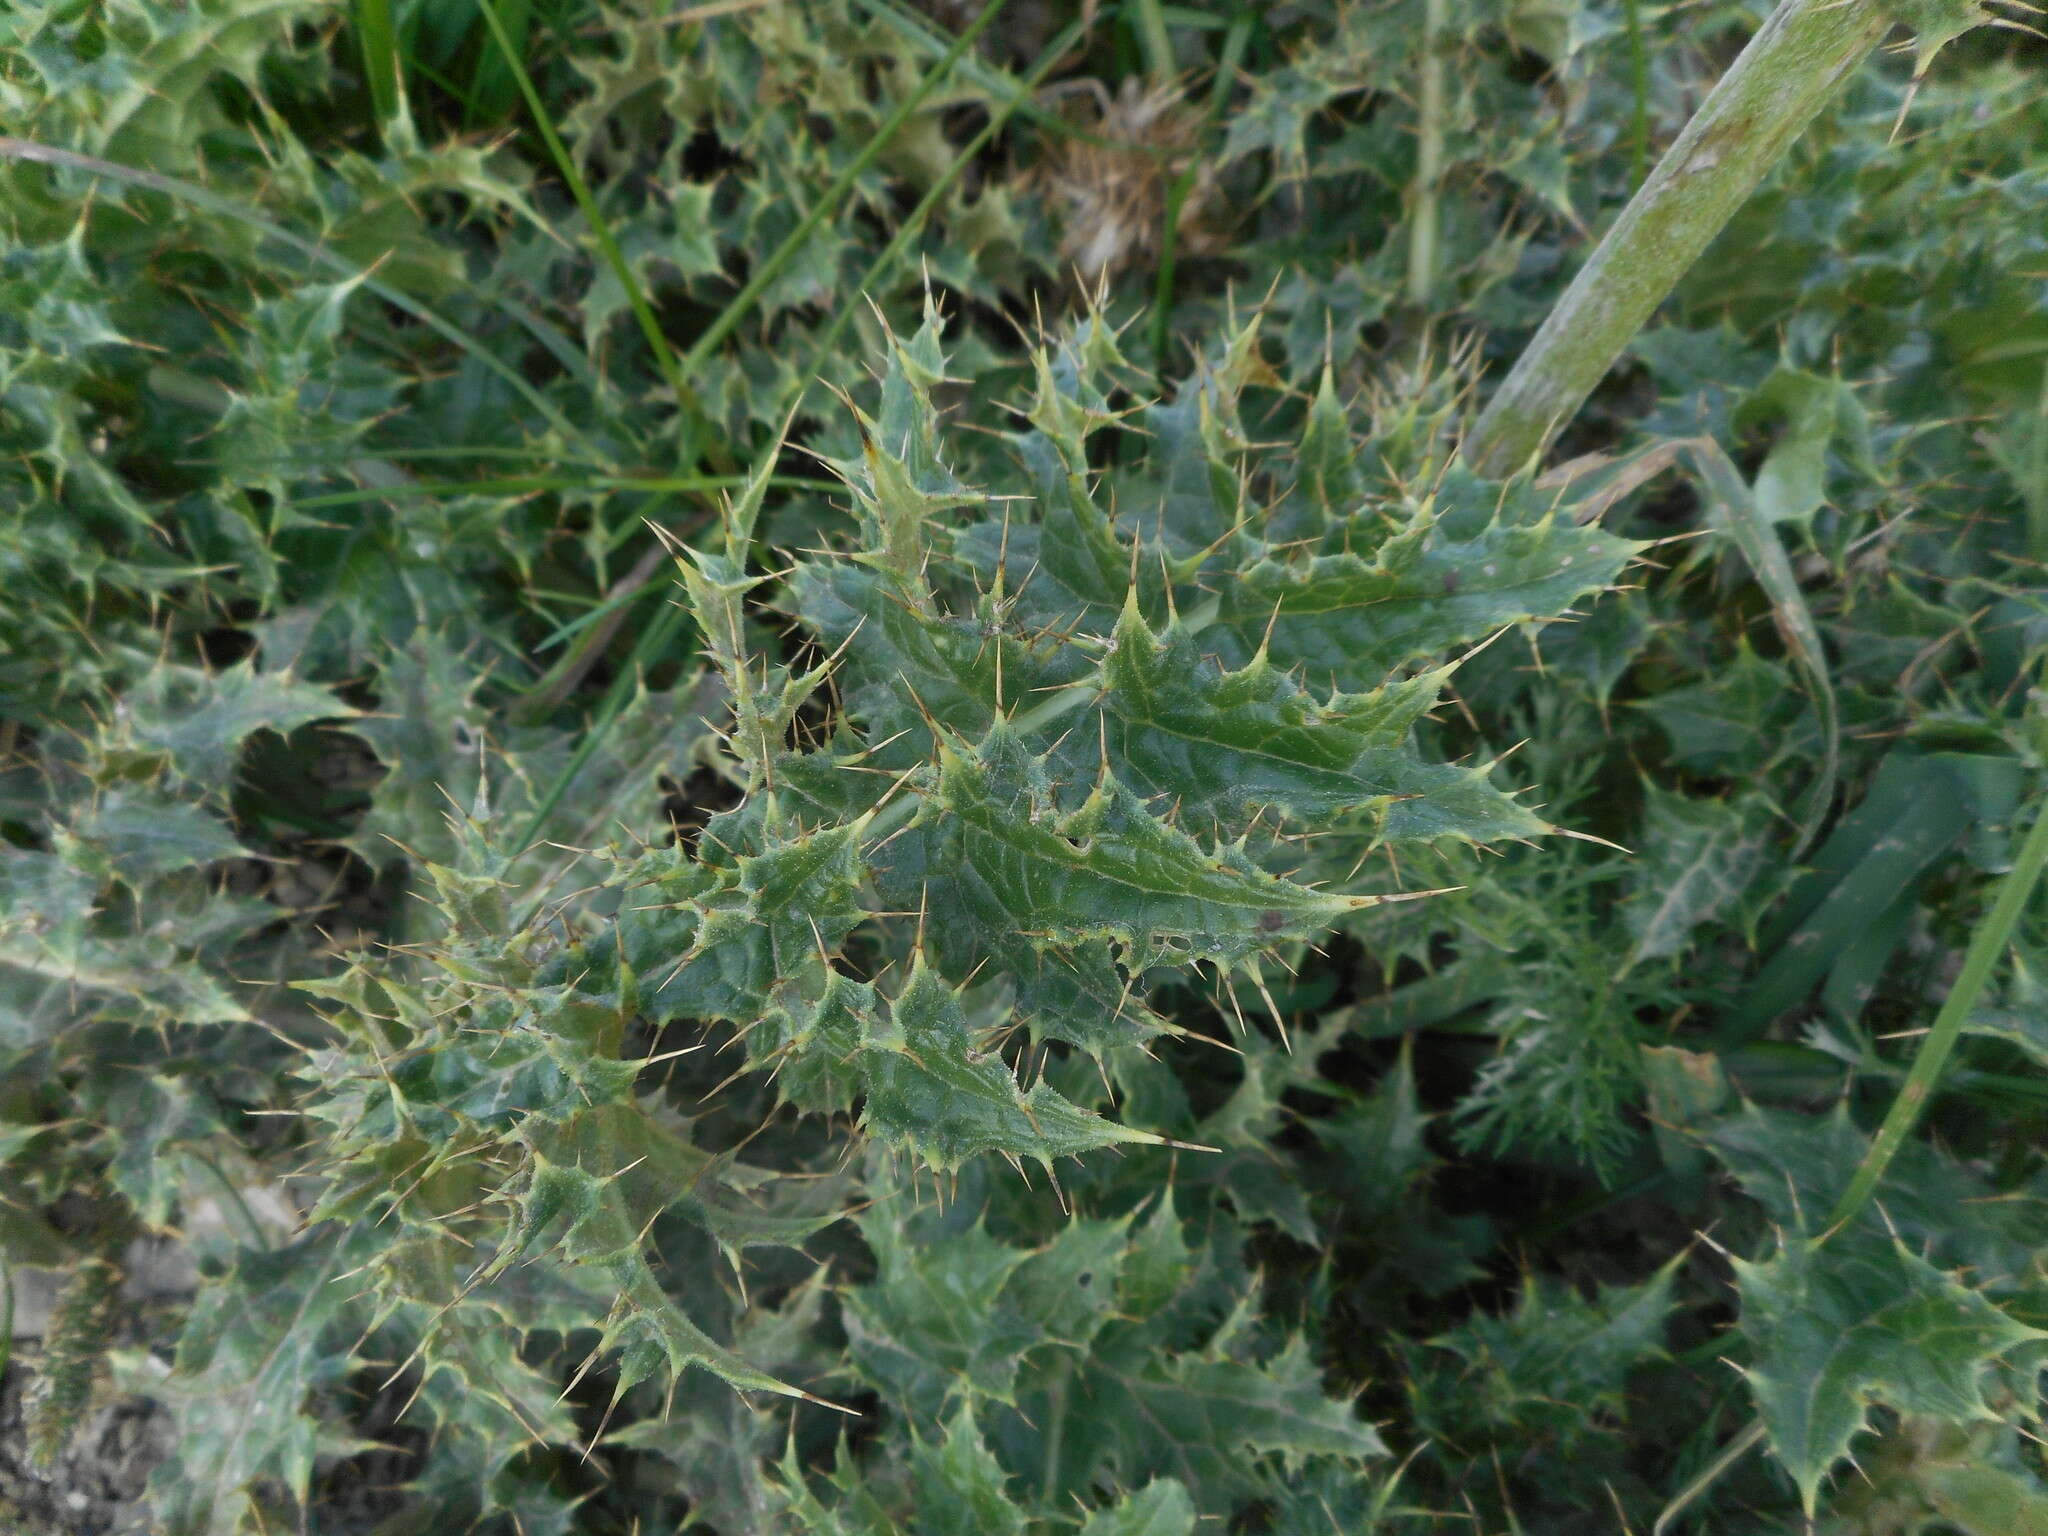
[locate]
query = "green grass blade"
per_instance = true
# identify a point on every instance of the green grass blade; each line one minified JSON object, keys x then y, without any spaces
{"x":410,"y":452}
{"x":1639,"y":87}
{"x":379,"y":44}
{"x":657,"y":636}
{"x":1914,"y":814}
{"x":1017,"y":98}
{"x":1765,"y":553}
{"x":1155,"y":40}
{"x":600,"y":227}
{"x":1711,"y":1474}
{"x":1987,"y":946}
{"x":185,"y":191}
{"x":599,"y":610}
{"x":573,"y":360}
{"x":517,"y":485}
{"x":913,"y":223}
{"x":1234,"y":42}
{"x":492,"y":86}
{"x":772,"y":267}
{"x":653,"y":641}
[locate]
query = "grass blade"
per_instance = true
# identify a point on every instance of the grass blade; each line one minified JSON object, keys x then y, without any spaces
{"x":516,"y":485}
{"x":379,"y":43}
{"x":828,"y":203}
{"x":185,"y":191}
{"x":657,"y":636}
{"x":1234,"y":43}
{"x":915,"y":26}
{"x":1987,"y":946}
{"x":1155,"y":40}
{"x":600,"y":227}
{"x":1639,"y":88}
{"x":913,"y":223}
{"x":1765,"y":553}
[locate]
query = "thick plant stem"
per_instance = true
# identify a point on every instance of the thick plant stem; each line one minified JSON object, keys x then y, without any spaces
{"x":1789,"y":71}
{"x":1425,"y":216}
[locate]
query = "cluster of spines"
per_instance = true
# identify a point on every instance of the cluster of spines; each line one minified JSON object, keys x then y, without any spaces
{"x":748,"y":927}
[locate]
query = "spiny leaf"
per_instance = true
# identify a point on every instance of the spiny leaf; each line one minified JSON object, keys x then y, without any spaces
{"x":1796,"y":1166}
{"x":1839,"y":1327}
{"x":1936,"y":24}
{"x":194,"y":722}
{"x":930,"y":1091}
{"x":1136,"y":1413}
{"x":960,"y":1489}
{"x":1064,"y":1289}
{"x":1700,"y":856}
{"x":1161,"y":1508}
{"x":1230,"y":743}
{"x":1453,"y":577}
{"x":907,"y":667}
{"x":64,"y":961}
{"x":1554,"y":1362}
{"x":901,"y":485}
{"x":713,"y":940}
{"x":933,"y":1325}
{"x":718,"y":1444}
{"x":252,"y":1363}
{"x":135,"y":838}
{"x":583,"y":1216}
{"x":1329,"y":476}
{"x":468,"y":1354}
{"x":999,"y":848}
{"x":652,"y":1168}
{"x":963,"y":1490}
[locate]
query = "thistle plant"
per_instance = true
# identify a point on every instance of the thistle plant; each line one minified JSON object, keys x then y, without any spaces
{"x":688,"y":879}
{"x":1055,"y":744}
